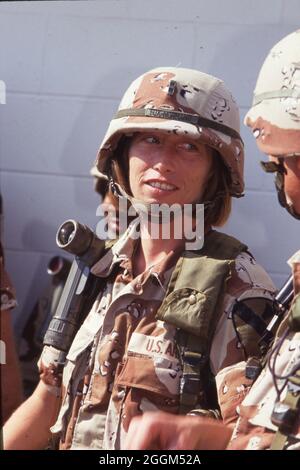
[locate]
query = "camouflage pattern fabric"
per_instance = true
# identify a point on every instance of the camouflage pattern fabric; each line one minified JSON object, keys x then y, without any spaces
{"x":185,"y":93}
{"x":275,"y":122}
{"x":275,"y":114}
{"x":10,"y":380}
{"x":8,"y":295}
{"x":254,"y":429}
{"x":123,"y":361}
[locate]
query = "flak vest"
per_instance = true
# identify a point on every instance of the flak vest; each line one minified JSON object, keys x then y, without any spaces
{"x":193,"y":304}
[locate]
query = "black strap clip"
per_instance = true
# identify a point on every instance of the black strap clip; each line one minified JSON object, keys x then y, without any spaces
{"x":172,"y":87}
{"x":253,"y":368}
{"x":284,"y":417}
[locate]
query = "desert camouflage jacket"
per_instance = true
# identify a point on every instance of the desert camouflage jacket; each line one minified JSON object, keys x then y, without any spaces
{"x":124,"y":361}
{"x":8,"y":295}
{"x":254,"y":428}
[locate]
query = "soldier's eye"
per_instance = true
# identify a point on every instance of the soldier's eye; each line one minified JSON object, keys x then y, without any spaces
{"x":189,"y":147}
{"x":151,"y":139}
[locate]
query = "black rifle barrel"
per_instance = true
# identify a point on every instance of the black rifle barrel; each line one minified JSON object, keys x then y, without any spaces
{"x":81,"y":286}
{"x":286,"y":293}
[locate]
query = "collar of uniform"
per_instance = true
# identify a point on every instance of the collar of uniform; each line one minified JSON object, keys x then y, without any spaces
{"x":122,"y":250}
{"x":159,"y":273}
{"x":121,"y":253}
{"x":168,"y":262}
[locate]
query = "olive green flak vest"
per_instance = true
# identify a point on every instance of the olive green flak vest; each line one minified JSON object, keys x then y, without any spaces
{"x":193,"y":304}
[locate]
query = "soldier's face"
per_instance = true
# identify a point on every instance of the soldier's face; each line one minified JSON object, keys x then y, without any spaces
{"x":292,"y":180}
{"x":167,"y":168}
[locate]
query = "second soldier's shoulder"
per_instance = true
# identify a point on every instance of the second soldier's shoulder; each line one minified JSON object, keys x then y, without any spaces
{"x":248,"y":273}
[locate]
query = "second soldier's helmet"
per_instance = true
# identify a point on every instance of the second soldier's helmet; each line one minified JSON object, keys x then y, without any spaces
{"x":275,"y":113}
{"x":183,"y":102}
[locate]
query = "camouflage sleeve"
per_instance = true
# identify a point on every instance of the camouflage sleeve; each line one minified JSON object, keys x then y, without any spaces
{"x":255,"y":428}
{"x":8,"y":295}
{"x":11,"y":393}
{"x":246,"y":313}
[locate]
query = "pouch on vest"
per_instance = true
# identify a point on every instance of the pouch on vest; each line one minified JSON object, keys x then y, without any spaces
{"x":193,"y":304}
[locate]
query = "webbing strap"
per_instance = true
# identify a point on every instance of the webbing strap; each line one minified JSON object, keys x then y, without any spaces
{"x":192,"y":359}
{"x":269,"y":95}
{"x":178,"y":116}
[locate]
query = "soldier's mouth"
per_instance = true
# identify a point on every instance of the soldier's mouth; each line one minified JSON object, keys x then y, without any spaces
{"x":162,"y":185}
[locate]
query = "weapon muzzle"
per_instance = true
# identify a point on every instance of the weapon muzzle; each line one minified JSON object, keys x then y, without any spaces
{"x":81,"y":241}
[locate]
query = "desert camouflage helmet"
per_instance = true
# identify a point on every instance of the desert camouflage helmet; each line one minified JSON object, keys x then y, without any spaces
{"x":183,"y":102}
{"x":275,"y":113}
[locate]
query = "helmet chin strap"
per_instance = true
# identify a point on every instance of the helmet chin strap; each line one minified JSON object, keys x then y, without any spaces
{"x":278,"y":168}
{"x":119,"y":192}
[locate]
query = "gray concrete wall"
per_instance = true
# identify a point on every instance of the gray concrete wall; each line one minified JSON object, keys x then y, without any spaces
{"x":66,"y":65}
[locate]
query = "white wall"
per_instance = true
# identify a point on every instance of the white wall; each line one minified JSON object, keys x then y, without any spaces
{"x":66,"y":65}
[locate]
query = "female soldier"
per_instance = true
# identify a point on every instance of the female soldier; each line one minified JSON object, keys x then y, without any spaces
{"x":162,"y":326}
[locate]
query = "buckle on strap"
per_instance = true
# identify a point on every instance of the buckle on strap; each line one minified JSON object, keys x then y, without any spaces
{"x":190,"y":380}
{"x":189,"y":384}
{"x":192,"y":358}
{"x":253,"y":368}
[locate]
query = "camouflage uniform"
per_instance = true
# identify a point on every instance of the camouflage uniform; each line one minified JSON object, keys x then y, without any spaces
{"x":124,"y":361}
{"x":254,"y":429}
{"x":10,"y":373}
{"x":275,"y":121}
{"x":8,"y":295}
